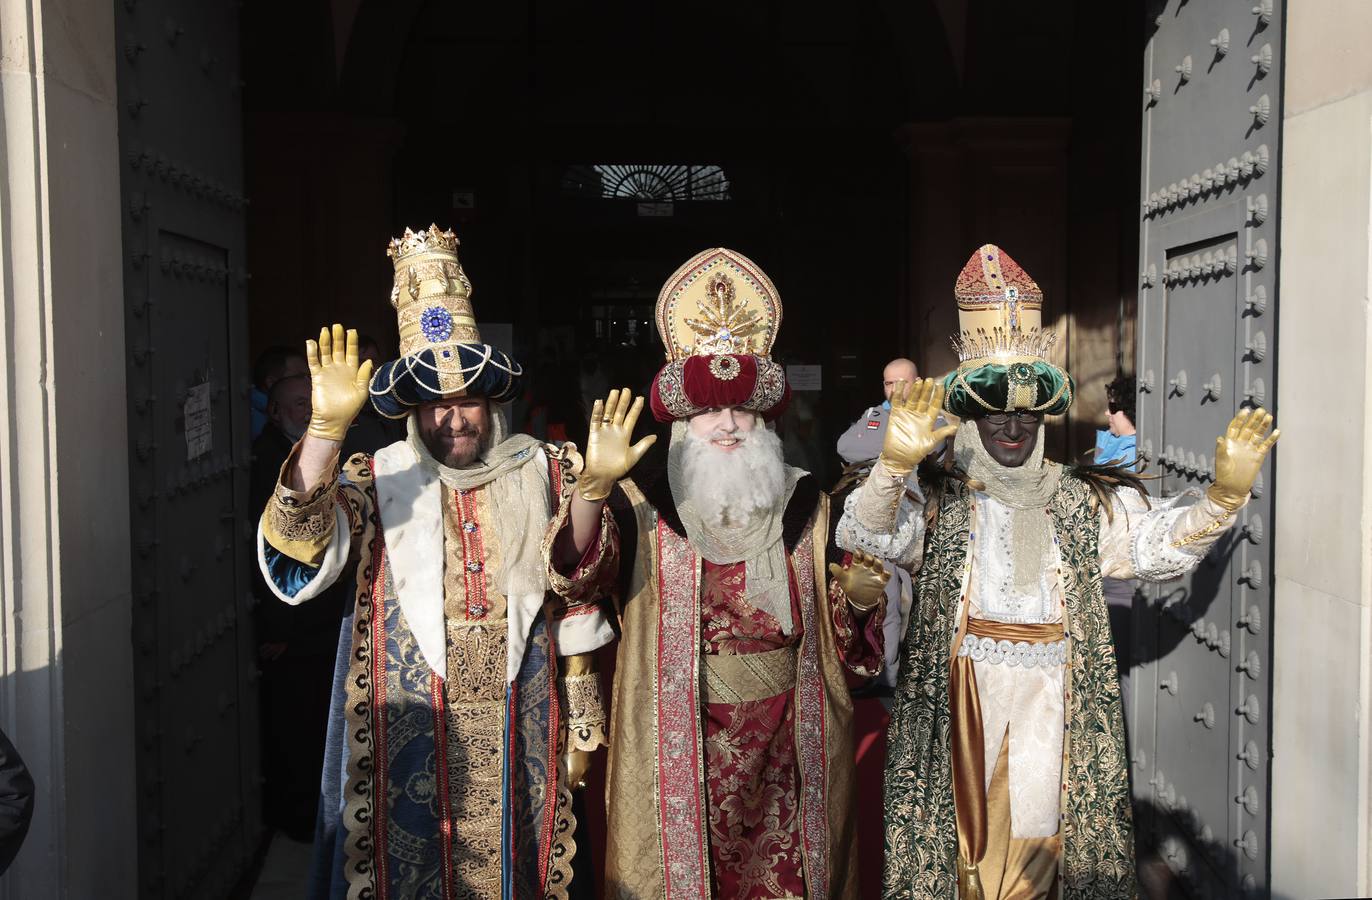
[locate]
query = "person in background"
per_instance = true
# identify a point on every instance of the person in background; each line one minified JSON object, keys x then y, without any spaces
{"x":862,"y":441}
{"x":1116,"y":443}
{"x":295,"y":644}
{"x":272,"y":365}
{"x":370,"y":431}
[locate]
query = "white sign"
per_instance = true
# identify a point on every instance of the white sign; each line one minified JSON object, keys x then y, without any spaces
{"x":196,"y":414}
{"x":804,"y":378}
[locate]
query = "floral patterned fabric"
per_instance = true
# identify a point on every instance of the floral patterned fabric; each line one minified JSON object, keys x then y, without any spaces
{"x":752,"y":774}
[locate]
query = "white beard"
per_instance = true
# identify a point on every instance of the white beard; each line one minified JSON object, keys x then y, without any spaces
{"x":729,"y":487}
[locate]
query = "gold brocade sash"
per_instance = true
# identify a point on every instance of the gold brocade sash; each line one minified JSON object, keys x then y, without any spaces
{"x":969,"y":754}
{"x":736,"y":677}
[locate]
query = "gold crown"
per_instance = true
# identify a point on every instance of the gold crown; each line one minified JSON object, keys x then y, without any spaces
{"x":1002,"y":346}
{"x":432,"y":298}
{"x":412,"y":242}
{"x":718,"y":302}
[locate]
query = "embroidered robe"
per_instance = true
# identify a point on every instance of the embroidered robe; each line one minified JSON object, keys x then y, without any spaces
{"x":731,"y":765}
{"x":443,"y":773}
{"x":1085,"y":771}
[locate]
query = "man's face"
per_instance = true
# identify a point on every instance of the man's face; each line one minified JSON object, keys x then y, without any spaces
{"x":291,"y":367}
{"x":289,"y":408}
{"x":900,"y":370}
{"x":1009,"y":437}
{"x":455,"y":431}
{"x":725,"y":427}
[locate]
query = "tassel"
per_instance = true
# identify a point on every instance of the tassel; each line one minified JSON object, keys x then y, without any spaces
{"x":969,"y":881}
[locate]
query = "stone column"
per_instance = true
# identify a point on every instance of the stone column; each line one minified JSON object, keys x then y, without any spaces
{"x":65,"y":648}
{"x":1321,"y":755}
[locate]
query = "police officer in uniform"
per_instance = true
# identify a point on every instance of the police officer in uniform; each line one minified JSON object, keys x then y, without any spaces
{"x":862,"y":441}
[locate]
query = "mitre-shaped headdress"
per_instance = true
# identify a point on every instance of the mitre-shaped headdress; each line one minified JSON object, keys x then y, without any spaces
{"x":718,"y":317}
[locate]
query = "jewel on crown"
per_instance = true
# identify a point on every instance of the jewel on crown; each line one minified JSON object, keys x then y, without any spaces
{"x":413,"y":242}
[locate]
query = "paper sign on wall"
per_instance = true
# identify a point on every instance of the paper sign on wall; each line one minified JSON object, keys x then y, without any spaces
{"x":804,"y":378}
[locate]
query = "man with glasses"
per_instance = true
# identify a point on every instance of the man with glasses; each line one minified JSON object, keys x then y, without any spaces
{"x":1006,"y":765}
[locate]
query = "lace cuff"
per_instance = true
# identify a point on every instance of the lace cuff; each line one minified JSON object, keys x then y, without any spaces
{"x":903,"y":545}
{"x":587,"y":724}
{"x":300,"y":524}
{"x":878,"y":502}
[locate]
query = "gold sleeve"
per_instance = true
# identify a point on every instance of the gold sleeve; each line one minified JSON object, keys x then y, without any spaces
{"x":587,"y":723}
{"x":300,"y":524}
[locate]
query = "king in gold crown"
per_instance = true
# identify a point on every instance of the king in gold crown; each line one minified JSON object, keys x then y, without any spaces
{"x":1003,"y":349}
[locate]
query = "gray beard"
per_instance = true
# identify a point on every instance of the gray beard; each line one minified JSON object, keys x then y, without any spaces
{"x":728,"y":488}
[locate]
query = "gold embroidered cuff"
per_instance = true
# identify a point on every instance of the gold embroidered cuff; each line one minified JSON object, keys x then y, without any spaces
{"x":580,"y":587}
{"x":587,"y":724}
{"x":836,"y":590}
{"x":301,"y":525}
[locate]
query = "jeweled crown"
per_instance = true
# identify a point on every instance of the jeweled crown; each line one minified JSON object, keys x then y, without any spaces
{"x":431,"y":293}
{"x":718,"y":302}
{"x":412,"y":242}
{"x":1002,"y":345}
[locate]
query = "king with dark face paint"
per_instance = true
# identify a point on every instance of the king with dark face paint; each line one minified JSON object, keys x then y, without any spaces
{"x":1009,"y":590}
{"x":1009,"y":437}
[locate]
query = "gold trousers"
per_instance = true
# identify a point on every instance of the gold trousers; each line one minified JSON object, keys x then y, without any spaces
{"x":992,"y":865}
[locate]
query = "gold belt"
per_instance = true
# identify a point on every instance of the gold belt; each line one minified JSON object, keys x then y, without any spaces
{"x":737,"y":677}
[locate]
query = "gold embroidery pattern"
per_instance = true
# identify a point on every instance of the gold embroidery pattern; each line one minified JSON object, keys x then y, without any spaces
{"x":310,"y":519}
{"x":739,"y":677}
{"x":475,"y":694}
{"x":587,"y":726}
{"x":681,"y":775}
{"x":591,"y":581}
{"x":769,"y":388}
{"x":809,"y":700}
{"x":359,"y":868}
{"x":671,"y":389}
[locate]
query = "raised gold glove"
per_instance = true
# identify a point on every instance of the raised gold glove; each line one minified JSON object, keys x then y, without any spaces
{"x":863,"y":580}
{"x":338,"y":385}
{"x":1239,"y":454}
{"x":911,"y":434}
{"x":609,"y":457}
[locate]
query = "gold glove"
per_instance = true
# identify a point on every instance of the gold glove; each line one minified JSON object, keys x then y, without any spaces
{"x":863,"y":580}
{"x":910,"y":431}
{"x":338,"y":385}
{"x":1239,"y":454}
{"x":609,"y":457}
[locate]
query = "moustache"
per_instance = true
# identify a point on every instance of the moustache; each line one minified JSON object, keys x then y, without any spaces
{"x":454,"y":435}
